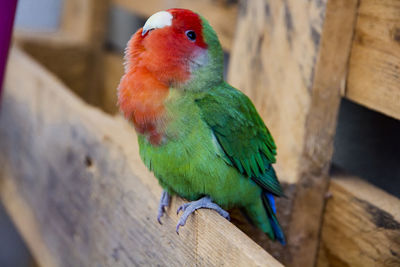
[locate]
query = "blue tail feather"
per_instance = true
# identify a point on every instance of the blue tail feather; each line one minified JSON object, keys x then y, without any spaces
{"x":271,"y":211}
{"x":278,"y":232}
{"x":271,"y":201}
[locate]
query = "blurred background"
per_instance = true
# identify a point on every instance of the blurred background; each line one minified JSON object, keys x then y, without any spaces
{"x":367,"y":143}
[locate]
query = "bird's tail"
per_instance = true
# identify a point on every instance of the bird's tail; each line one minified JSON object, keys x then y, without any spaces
{"x":270,"y":208}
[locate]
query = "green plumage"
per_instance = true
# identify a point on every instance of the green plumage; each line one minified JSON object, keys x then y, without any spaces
{"x":242,"y":134}
{"x":216,"y":144}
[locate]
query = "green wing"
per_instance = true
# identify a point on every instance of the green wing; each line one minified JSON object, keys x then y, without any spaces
{"x":242,"y":134}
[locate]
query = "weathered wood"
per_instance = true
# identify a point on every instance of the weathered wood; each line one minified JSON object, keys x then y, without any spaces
{"x":74,"y":51}
{"x":113,"y":70}
{"x":85,"y":20}
{"x":18,"y":208}
{"x":374,"y":74}
{"x":75,"y":184}
{"x":81,"y":22}
{"x":291,"y":57}
{"x":361,"y":225}
{"x":221,"y":14}
{"x":75,"y":19}
{"x":72,"y":63}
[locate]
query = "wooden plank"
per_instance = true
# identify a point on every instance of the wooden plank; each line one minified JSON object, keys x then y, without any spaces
{"x":361,"y":225}
{"x":17,"y":207}
{"x":221,"y":13}
{"x":89,"y":199}
{"x":70,"y":62}
{"x":114,"y":69}
{"x":74,"y":52}
{"x":75,"y":19}
{"x":85,"y":20}
{"x":291,"y":58}
{"x":374,"y":74}
{"x":82,"y":22}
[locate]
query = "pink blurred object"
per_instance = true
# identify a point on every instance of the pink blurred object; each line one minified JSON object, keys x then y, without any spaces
{"x":7,"y":14}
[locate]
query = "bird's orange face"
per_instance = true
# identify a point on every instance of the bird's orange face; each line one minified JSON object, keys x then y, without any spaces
{"x":169,"y":44}
{"x":160,"y":55}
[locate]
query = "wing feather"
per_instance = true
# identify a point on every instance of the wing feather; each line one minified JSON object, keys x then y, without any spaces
{"x":242,"y":134}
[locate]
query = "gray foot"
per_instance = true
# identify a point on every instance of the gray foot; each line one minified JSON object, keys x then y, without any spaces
{"x":189,"y":208}
{"x":164,"y":202}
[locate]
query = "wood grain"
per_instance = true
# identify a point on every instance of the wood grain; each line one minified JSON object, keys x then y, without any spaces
{"x":291,"y":58}
{"x":315,"y":161}
{"x":361,"y":225}
{"x":221,"y":14}
{"x":74,"y":182}
{"x":374,"y":74}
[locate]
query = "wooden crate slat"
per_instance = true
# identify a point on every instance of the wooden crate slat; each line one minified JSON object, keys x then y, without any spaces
{"x":75,"y":19}
{"x":291,"y":58}
{"x":374,"y":74}
{"x":74,"y":182}
{"x":222,"y":16}
{"x":361,"y":225}
{"x":84,"y":20}
{"x":74,"y":51}
{"x":113,"y":69}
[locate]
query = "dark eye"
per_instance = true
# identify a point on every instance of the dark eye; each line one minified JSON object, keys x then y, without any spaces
{"x":191,"y":35}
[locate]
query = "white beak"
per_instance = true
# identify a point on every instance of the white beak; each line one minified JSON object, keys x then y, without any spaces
{"x":157,"y":21}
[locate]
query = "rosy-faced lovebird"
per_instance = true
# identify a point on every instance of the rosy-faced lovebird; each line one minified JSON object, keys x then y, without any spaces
{"x":202,"y":138}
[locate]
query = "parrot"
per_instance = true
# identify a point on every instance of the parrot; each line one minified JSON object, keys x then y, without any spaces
{"x":202,"y":138}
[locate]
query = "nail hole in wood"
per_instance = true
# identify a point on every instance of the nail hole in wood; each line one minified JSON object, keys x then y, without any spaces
{"x":88,"y":162}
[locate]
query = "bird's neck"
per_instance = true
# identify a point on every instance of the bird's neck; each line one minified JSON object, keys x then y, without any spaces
{"x":141,"y":98}
{"x":141,"y":92}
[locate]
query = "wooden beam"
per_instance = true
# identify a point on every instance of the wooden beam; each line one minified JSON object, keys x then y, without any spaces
{"x":72,"y":63}
{"x":82,"y":22}
{"x":374,"y":74}
{"x":221,"y":14}
{"x":361,"y":225}
{"x":74,"y":183}
{"x":74,"y":52}
{"x":291,"y":58}
{"x":18,"y":208}
{"x":113,"y":70}
{"x":85,"y":20}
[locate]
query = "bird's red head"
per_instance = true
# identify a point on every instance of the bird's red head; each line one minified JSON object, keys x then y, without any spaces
{"x":160,"y":55}
{"x":167,"y":45}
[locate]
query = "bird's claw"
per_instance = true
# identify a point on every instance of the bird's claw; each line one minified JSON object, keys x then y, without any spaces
{"x":189,"y":208}
{"x":161,"y":211}
{"x":164,"y":202}
{"x":182,"y":208}
{"x":179,"y":225}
